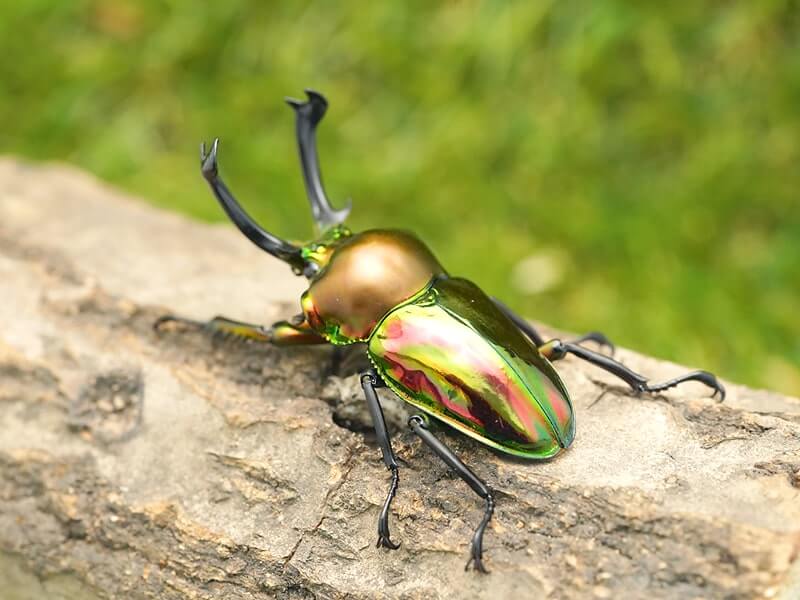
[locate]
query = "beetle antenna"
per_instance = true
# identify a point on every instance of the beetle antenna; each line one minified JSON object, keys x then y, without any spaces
{"x":309,"y":114}
{"x":254,"y":232}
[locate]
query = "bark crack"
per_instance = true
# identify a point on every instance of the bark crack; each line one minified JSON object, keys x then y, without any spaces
{"x":349,"y":464}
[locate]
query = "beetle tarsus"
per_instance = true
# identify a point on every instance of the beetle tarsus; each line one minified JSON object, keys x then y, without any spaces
{"x":164,"y":322}
{"x":385,"y":542}
{"x":704,"y":377}
{"x":369,"y":381}
{"x":384,"y":537}
{"x":556,"y":349}
{"x":476,"y":546}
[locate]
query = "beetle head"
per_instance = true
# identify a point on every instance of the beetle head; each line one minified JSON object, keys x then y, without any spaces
{"x":317,"y":254}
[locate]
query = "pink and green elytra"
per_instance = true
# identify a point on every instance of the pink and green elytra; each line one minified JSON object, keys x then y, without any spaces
{"x":438,"y":342}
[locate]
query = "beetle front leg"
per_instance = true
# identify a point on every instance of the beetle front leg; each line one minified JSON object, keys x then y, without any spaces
{"x":369,"y":381}
{"x":556,"y":350}
{"x":282,"y":333}
{"x":418,"y":426}
{"x":534,"y":336}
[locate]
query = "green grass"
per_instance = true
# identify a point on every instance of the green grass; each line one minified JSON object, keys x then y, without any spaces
{"x":647,"y":154}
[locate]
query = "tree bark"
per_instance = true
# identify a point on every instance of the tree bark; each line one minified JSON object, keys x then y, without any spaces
{"x":173,"y":465}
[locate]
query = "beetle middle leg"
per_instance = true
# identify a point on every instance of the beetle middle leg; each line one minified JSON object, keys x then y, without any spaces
{"x":533,"y":335}
{"x":556,"y":350}
{"x":282,"y":333}
{"x":418,"y":425}
{"x":369,"y":381}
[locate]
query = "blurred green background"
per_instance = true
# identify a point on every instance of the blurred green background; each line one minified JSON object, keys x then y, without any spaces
{"x":623,"y":166}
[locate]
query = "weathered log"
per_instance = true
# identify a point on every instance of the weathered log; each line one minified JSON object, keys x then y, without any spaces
{"x":174,"y":465}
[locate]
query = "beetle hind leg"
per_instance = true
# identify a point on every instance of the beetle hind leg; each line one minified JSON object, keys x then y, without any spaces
{"x":556,"y":349}
{"x":534,"y":336}
{"x":598,"y":338}
{"x":418,"y":426}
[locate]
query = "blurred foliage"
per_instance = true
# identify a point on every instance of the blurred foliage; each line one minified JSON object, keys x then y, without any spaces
{"x":615,"y":165}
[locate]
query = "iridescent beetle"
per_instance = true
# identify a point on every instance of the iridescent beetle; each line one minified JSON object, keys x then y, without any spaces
{"x":439,"y":342}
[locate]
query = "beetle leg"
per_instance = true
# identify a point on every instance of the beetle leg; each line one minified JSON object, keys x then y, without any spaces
{"x":556,"y":349}
{"x":282,"y":333}
{"x":418,"y":425}
{"x":369,"y":381}
{"x":598,"y":338}
{"x":530,"y":331}
{"x":309,"y":114}
{"x":525,"y":327}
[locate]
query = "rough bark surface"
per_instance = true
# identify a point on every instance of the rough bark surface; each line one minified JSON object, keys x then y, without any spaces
{"x":173,"y":465}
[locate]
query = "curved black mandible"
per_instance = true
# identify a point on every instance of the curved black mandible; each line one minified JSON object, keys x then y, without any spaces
{"x":254,"y":232}
{"x":309,"y":114}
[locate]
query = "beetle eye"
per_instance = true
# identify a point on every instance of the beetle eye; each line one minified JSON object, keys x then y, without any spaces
{"x":310,"y":270}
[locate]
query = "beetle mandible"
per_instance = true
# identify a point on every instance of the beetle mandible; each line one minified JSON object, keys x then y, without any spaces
{"x":438,"y":342}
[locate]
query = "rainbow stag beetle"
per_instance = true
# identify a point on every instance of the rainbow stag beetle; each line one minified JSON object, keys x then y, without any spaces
{"x":439,"y":342}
